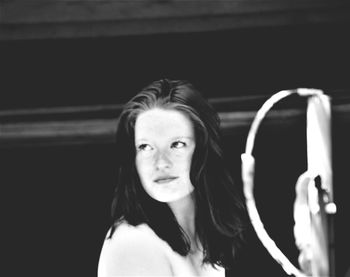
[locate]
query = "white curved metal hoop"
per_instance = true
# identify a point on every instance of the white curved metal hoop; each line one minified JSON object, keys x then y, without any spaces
{"x":248,"y":166}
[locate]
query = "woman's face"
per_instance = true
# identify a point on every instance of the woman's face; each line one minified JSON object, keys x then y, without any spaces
{"x":165,"y":143}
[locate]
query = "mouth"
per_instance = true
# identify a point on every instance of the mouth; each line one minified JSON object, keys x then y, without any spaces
{"x":164,"y":180}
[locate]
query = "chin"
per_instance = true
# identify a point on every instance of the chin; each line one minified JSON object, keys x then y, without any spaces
{"x":173,"y":198}
{"x":165,"y":198}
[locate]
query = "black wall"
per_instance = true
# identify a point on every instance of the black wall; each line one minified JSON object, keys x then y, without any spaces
{"x":110,"y":70}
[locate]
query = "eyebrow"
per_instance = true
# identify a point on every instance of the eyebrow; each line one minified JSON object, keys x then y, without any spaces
{"x":173,"y":138}
{"x":183,"y":137}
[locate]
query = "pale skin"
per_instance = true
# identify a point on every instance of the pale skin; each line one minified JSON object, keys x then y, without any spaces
{"x":165,"y":142}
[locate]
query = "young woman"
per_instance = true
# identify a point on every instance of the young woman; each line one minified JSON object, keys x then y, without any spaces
{"x":175,"y":210}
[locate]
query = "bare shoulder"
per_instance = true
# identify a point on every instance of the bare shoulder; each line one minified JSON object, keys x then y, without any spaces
{"x":136,"y":251}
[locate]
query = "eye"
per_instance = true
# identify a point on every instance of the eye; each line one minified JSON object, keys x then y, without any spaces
{"x":144,"y":147}
{"x":178,"y":144}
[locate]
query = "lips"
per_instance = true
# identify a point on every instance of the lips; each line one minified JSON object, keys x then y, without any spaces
{"x":164,"y":179}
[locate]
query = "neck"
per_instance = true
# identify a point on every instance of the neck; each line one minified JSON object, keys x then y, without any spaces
{"x":184,"y":211}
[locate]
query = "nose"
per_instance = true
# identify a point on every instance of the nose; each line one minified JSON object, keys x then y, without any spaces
{"x":163,"y":160}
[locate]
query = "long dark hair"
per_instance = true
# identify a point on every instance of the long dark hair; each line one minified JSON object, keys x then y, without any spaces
{"x":218,"y":207}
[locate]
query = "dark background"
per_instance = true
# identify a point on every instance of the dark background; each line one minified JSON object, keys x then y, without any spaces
{"x":244,"y":62}
{"x":57,"y":199}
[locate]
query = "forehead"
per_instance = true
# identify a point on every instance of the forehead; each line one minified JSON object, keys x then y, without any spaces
{"x":161,"y":124}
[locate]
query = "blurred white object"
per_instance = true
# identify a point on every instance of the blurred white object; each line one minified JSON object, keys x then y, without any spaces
{"x":312,"y":200}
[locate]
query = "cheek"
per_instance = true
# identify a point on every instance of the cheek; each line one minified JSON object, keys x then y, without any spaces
{"x":185,"y":161}
{"x":142,"y":167}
